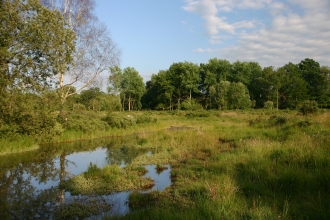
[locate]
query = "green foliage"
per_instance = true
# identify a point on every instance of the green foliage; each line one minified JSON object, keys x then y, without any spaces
{"x":85,"y":122}
{"x":129,"y":84}
{"x":278,"y":120}
{"x":40,"y":125}
{"x":269,"y":105}
{"x":120,"y":121}
{"x":126,"y":121}
{"x":190,"y":104}
{"x":145,"y":118}
{"x":238,"y":97}
{"x":308,"y":107}
{"x":35,"y":43}
{"x":217,"y":87}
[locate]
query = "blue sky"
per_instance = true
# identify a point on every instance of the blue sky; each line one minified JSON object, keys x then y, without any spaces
{"x":153,"y":34}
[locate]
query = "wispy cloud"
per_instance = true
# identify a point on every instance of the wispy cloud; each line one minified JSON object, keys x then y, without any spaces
{"x":296,"y":29}
{"x":200,"y":50}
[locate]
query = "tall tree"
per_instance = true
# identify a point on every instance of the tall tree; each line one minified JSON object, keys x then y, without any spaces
{"x":95,"y":50}
{"x":114,"y":82}
{"x":238,"y":96}
{"x":184,"y":78}
{"x":256,"y":72}
{"x":211,"y":74}
{"x":240,"y":72}
{"x":35,"y":44}
{"x":294,"y":87}
{"x":132,"y":87}
{"x":316,"y":81}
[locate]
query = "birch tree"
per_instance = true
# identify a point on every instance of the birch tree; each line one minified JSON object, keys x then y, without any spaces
{"x":95,"y":50}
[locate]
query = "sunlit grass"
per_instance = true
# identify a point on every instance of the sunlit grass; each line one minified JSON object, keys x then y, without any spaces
{"x":108,"y":179}
{"x":22,"y":144}
{"x":253,"y":164}
{"x":242,"y":166}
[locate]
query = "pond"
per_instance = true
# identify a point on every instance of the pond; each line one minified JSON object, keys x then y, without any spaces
{"x":29,"y":182}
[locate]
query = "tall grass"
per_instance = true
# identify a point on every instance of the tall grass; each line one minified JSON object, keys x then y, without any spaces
{"x":235,"y":165}
{"x":22,"y":144}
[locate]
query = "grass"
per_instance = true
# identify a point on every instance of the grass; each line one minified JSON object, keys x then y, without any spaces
{"x":253,"y":164}
{"x":108,"y":179}
{"x":236,"y":165}
{"x":22,"y":144}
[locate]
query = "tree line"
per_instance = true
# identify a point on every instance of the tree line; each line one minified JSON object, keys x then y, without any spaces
{"x":220,"y":84}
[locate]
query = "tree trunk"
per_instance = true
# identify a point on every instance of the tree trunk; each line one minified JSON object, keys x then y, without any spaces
{"x":129,"y":103}
{"x":277,"y":99}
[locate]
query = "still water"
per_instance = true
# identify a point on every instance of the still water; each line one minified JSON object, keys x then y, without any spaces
{"x":29,"y":182}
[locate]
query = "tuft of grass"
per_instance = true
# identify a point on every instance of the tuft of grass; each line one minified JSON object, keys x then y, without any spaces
{"x":106,"y":180}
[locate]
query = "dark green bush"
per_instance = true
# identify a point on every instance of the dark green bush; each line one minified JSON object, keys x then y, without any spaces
{"x":304,"y":124}
{"x":125,"y":121}
{"x":119,"y":121}
{"x":85,"y":122}
{"x":308,"y":107}
{"x":277,"y":120}
{"x":197,"y":114}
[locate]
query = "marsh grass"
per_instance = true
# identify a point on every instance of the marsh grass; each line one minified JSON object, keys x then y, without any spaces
{"x":81,"y":209}
{"x":21,"y":144}
{"x":108,"y":179}
{"x":253,"y":164}
{"x":238,"y":165}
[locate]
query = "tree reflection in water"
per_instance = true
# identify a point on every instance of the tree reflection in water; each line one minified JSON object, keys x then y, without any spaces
{"x":29,"y":182}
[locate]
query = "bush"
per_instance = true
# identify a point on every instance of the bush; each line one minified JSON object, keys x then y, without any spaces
{"x":125,"y":121}
{"x":308,"y":107}
{"x":269,"y":105}
{"x":145,"y":118}
{"x":119,"y":121}
{"x":190,"y":105}
{"x":277,"y":120}
{"x":83,"y":122}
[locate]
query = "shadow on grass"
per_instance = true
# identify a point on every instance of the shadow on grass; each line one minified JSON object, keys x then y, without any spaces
{"x":294,"y":188}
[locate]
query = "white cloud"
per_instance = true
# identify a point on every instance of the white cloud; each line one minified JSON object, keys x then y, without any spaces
{"x":200,"y":50}
{"x":253,"y":4}
{"x":295,"y":29}
{"x":209,"y":9}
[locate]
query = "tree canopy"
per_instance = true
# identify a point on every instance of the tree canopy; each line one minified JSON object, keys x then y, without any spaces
{"x":35,"y":45}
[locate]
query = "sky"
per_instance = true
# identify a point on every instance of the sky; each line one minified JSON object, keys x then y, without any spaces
{"x":153,"y":34}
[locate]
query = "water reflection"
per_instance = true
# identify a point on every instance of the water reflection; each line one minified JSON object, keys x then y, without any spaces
{"x":29,"y":181}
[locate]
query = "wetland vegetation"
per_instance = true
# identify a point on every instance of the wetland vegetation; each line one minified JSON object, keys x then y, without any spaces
{"x":257,"y":164}
{"x":215,"y":140}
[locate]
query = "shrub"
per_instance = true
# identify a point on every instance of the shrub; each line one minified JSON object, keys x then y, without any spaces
{"x":119,"y":121}
{"x":308,"y":107}
{"x":269,"y":105}
{"x":83,"y":122}
{"x":190,"y":105}
{"x":145,"y":118}
{"x":277,"y":120}
{"x":200,"y":114}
